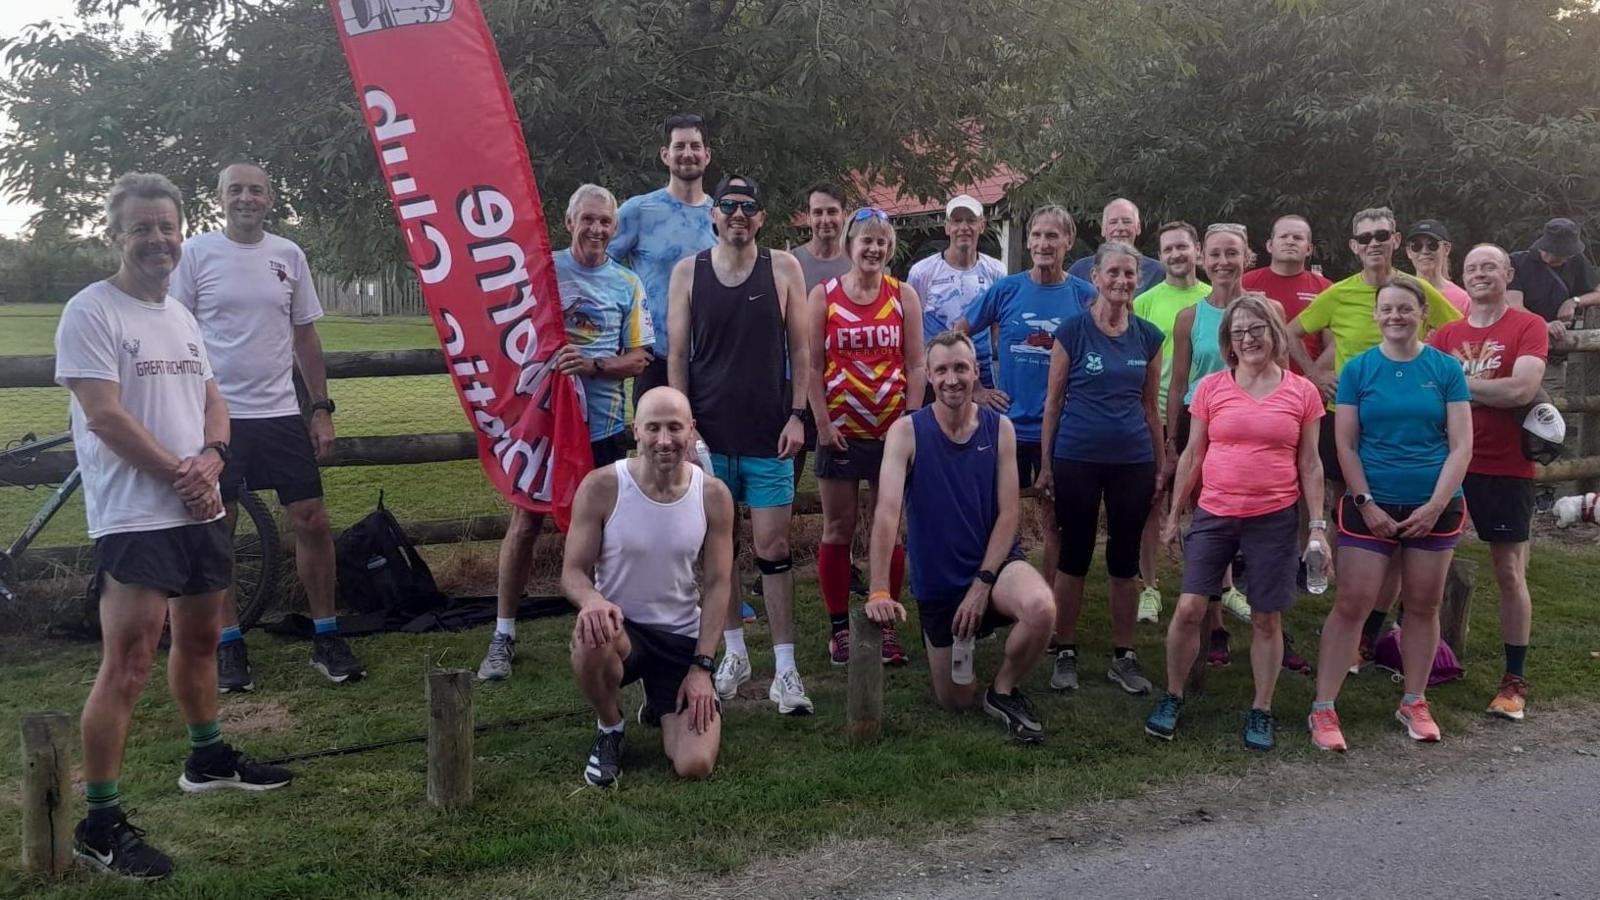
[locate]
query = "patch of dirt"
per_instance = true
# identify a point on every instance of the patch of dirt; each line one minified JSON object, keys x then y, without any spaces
{"x":856,"y":867}
{"x":254,"y":715}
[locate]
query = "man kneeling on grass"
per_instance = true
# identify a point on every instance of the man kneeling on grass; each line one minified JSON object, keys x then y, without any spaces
{"x":954,"y":466}
{"x":638,"y":526}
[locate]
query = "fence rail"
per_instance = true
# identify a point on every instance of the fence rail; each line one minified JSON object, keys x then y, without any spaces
{"x":394,"y":292}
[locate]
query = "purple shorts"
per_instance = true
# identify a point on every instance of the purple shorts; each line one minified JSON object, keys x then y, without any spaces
{"x":1353,"y":531}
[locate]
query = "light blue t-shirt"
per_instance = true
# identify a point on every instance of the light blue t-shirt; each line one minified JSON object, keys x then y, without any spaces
{"x":1151,"y":272}
{"x":947,"y":291}
{"x":1029,"y":314}
{"x":603,"y":310}
{"x":1404,"y":441}
{"x":1103,"y":419}
{"x":654,"y":231}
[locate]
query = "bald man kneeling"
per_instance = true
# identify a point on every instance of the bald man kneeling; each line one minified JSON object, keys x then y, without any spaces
{"x":638,"y":525}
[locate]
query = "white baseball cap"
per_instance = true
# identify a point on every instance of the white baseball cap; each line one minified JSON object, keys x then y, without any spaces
{"x":1543,"y":433}
{"x":966,"y":202}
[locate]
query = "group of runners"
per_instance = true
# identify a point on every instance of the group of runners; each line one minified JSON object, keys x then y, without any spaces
{"x":1122,"y":384}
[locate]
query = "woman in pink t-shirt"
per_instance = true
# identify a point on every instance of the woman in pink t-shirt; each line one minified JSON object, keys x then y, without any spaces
{"x":1253,"y":448}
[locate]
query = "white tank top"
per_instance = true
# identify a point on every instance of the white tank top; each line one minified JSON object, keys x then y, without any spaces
{"x":647,"y":555}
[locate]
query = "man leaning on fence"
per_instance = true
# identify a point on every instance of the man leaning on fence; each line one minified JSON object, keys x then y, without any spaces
{"x":251,"y":292}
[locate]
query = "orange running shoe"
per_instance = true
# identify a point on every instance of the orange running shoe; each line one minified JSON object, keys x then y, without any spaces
{"x":1511,"y":699}
{"x":1418,"y":720}
{"x":1325,"y":733}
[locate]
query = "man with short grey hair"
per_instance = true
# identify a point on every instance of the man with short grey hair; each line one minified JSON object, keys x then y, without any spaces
{"x":950,"y":280}
{"x":1119,"y":221}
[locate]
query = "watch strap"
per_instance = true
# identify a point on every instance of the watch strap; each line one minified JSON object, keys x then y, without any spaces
{"x":987,"y":577}
{"x":704,"y":662}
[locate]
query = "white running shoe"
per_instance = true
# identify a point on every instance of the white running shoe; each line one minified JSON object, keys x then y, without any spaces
{"x":790,"y":694}
{"x":1149,"y":605}
{"x":734,"y":671}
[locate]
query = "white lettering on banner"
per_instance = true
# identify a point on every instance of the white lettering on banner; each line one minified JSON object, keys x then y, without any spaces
{"x":389,"y":127}
{"x":456,"y":341}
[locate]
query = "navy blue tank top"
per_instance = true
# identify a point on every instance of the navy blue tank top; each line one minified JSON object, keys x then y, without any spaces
{"x":951,"y":506}
{"x":738,"y":350}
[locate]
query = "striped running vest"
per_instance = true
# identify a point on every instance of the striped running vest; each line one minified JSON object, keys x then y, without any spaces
{"x":864,"y":379}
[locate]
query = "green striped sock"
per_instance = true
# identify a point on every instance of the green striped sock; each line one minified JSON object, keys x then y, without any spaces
{"x":102,"y":795}
{"x":204,"y":735}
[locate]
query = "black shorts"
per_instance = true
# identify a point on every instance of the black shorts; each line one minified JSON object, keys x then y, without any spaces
{"x":271,"y":453}
{"x":1028,"y":460}
{"x":936,"y":618}
{"x":1328,"y":450}
{"x":610,"y":449}
{"x":661,"y":658}
{"x":653,"y":376}
{"x":186,"y":559}
{"x":860,"y":461}
{"x":1501,"y":505}
{"x":1268,"y":542}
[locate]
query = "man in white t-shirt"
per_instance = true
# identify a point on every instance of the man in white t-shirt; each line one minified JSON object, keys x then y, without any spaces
{"x":949,"y":281}
{"x":252,"y":294}
{"x":151,"y":434}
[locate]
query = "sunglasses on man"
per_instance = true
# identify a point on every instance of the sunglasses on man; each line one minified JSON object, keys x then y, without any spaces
{"x":728,"y":206}
{"x":1366,"y":237}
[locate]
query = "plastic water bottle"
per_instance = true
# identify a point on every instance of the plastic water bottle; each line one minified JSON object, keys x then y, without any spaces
{"x":1316,"y":578}
{"x":702,"y":454}
{"x":961,"y":659}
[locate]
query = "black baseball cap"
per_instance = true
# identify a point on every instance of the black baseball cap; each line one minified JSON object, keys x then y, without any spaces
{"x":1431,"y":227}
{"x":742,"y":185}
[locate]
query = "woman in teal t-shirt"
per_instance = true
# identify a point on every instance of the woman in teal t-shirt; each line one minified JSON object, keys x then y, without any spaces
{"x":1404,"y":435}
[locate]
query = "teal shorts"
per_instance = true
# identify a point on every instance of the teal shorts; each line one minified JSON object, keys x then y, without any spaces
{"x":756,"y":482}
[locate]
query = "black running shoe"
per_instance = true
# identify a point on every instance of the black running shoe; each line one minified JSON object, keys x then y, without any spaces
{"x":233,"y":668}
{"x":331,"y":656}
{"x":118,"y":848}
{"x":605,"y":759}
{"x":222,"y":768}
{"x":1015,"y":710}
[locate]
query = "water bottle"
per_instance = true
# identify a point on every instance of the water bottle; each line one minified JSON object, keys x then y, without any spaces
{"x":961,"y":659}
{"x":1316,"y":578}
{"x":702,"y":455}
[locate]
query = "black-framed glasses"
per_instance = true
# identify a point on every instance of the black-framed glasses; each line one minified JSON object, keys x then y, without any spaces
{"x":728,"y":206}
{"x":869,"y":212}
{"x":1366,"y":237}
{"x":1420,"y":243}
{"x":1256,"y":331}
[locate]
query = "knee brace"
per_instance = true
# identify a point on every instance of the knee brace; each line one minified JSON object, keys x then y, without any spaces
{"x":775,"y":566}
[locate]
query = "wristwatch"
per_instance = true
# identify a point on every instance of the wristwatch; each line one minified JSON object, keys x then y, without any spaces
{"x":801,"y":413}
{"x":1362,"y":500}
{"x":1317,"y":525}
{"x":221,"y":448}
{"x":987,"y":577}
{"x":704,"y":662}
{"x":326,"y":405}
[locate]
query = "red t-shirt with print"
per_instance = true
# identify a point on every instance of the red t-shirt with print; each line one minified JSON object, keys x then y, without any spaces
{"x":1293,"y":292}
{"x":1492,"y":352}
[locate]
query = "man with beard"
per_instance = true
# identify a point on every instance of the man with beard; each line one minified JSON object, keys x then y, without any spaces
{"x":657,"y":229}
{"x":949,"y":281}
{"x":1119,"y":221}
{"x":737,"y":314}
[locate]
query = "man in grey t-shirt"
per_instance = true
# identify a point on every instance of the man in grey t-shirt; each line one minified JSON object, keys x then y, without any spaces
{"x":823,"y":257}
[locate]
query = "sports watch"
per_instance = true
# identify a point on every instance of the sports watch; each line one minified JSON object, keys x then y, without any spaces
{"x":1362,"y":500}
{"x":222,"y":451}
{"x":326,"y":405}
{"x":987,"y":577}
{"x":704,"y":662}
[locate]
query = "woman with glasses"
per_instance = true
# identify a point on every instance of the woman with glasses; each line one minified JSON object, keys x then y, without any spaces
{"x":866,"y":358}
{"x":1253,"y":449}
{"x":1102,"y":443}
{"x":1404,"y":429}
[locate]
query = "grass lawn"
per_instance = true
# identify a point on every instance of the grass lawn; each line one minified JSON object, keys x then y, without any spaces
{"x":356,"y":826}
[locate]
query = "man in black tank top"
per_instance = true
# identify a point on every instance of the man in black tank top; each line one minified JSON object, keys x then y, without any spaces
{"x":729,"y":334}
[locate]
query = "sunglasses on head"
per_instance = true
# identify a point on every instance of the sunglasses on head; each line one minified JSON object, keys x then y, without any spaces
{"x":1420,"y":243}
{"x":869,"y":212}
{"x":1367,"y":237}
{"x":1226,"y":228}
{"x":682,"y":120}
{"x":729,"y":206}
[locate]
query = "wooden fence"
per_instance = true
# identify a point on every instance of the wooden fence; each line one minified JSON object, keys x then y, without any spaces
{"x":394,"y":292}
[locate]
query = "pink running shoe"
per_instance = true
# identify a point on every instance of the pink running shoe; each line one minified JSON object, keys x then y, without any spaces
{"x":1325,"y":733}
{"x":839,"y":647}
{"x":893,"y":653}
{"x":1418,"y":720}
{"x":1218,"y":656}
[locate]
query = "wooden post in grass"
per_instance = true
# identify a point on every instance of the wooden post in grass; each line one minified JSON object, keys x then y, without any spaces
{"x":864,"y":707}
{"x":46,"y":782}
{"x":450,"y":728}
{"x":1457,"y":602}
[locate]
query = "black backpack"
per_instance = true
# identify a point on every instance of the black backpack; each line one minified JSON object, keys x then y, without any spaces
{"x":380,"y":570}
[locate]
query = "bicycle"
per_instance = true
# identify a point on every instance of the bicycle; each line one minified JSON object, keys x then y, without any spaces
{"x":257,"y":550}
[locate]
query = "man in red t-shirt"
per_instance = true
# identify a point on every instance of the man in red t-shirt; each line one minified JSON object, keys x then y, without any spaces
{"x":1287,"y":280}
{"x":1502,"y":351}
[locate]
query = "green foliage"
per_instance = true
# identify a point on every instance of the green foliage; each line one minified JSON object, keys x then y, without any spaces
{"x":50,"y":265}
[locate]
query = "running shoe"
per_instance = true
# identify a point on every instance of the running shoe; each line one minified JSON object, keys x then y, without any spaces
{"x":1149,"y":605}
{"x":1292,"y":661}
{"x":1325,"y":733}
{"x":1218,"y":656}
{"x":221,"y":768}
{"x":648,"y":715}
{"x":1016,"y":711}
{"x":1418,"y":720}
{"x":733,"y":671}
{"x":789,"y":692}
{"x":1163,"y":722}
{"x":1259,"y":731}
{"x":893,"y":653}
{"x":118,"y":848}
{"x":1235,"y":602}
{"x":747,"y":613}
{"x":233,"y":668}
{"x":1125,"y":673}
{"x":839,"y":647}
{"x":1365,"y":653}
{"x":1512,"y":698}
{"x":1065,"y":675}
{"x":331,"y":656}
{"x":496,"y":665}
{"x":605,"y":759}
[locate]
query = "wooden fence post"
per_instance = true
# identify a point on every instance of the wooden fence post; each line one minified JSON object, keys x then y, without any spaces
{"x":450,"y":729}
{"x":864,"y":706}
{"x":46,"y":782}
{"x":1453,"y":611}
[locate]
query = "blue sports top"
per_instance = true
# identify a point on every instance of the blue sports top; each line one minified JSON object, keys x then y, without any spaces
{"x":951,"y":506}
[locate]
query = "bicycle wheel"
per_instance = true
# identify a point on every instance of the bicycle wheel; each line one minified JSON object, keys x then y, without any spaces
{"x":257,"y":555}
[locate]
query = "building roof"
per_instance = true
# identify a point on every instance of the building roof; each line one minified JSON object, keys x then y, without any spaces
{"x":987,"y":191}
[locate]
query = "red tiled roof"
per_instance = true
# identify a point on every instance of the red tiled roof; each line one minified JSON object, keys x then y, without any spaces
{"x":987,"y":191}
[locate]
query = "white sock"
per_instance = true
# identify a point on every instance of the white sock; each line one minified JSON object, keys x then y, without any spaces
{"x":735,"y":641}
{"x":610,"y":729}
{"x":506,"y":626}
{"x":784,"y":653}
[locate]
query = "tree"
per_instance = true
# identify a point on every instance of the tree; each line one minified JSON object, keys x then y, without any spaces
{"x":50,"y":265}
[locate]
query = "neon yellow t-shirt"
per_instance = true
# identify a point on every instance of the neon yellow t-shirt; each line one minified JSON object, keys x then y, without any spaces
{"x":1160,"y":307}
{"x":1346,"y":308}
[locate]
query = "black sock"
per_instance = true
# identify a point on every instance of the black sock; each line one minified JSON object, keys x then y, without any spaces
{"x":1374,"y":624}
{"x":1516,"y":658}
{"x":1219,"y":635}
{"x":1120,"y":652}
{"x":839,"y":623}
